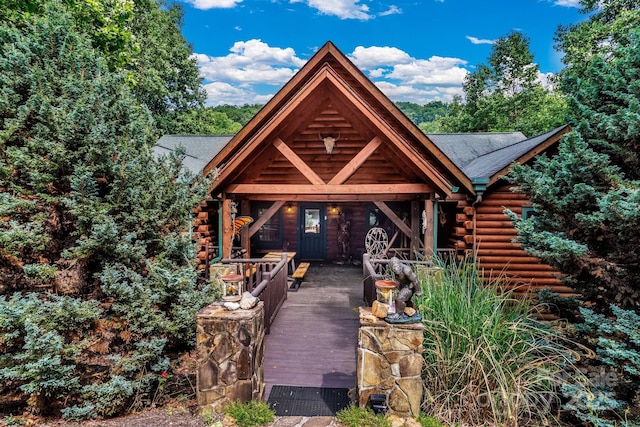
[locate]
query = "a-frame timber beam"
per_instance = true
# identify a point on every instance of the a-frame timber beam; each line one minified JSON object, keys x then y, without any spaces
{"x":255,"y":226}
{"x":357,"y":161}
{"x":289,"y":107}
{"x":385,"y":128}
{"x":394,"y":218}
{"x":348,"y":189}
{"x":297,"y":162}
{"x":416,"y":243}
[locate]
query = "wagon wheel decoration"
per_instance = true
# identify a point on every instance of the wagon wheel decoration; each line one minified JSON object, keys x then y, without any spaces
{"x":376,"y":242}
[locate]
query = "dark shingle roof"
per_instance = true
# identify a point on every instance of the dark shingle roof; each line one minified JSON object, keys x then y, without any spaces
{"x":465,"y":148}
{"x":477,"y":155}
{"x":200,"y":149}
{"x":481,"y":155}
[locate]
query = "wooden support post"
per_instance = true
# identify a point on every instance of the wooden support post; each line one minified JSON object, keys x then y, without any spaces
{"x":245,"y":239}
{"x":227,"y":228}
{"x":429,"y":244}
{"x":415,"y":228}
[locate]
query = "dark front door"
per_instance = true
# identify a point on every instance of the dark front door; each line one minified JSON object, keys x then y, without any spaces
{"x":312,"y":228}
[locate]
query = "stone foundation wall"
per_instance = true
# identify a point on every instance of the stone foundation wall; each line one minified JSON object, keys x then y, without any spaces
{"x":389,"y":362}
{"x":230,"y":355}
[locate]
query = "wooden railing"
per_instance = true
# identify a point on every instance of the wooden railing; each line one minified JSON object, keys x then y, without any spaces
{"x":266,"y":279}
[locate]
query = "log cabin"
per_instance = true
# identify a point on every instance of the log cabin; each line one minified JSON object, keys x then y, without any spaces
{"x":330,"y":158}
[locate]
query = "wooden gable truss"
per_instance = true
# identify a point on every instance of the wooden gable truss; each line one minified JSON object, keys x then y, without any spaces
{"x":379,"y":154}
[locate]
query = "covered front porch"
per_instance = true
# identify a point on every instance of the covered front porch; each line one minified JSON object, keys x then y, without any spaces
{"x":341,"y":231}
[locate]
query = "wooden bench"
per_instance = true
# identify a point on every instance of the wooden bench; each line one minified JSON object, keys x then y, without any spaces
{"x":298,"y":275}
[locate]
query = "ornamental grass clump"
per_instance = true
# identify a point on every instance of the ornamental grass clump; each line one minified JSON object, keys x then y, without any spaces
{"x":487,"y":361}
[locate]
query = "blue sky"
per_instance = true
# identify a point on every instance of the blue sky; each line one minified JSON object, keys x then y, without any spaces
{"x":416,"y":51}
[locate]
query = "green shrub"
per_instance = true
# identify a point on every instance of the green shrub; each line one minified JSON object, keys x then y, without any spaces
{"x":426,"y":421}
{"x":609,"y":397}
{"x":90,"y":211}
{"x":354,"y":416}
{"x":252,"y":413}
{"x":486,"y":359}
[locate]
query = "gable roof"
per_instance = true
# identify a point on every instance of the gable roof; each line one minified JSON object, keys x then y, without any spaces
{"x":330,"y":86}
{"x":489,"y":155}
{"x":199,"y":149}
{"x":329,"y":70}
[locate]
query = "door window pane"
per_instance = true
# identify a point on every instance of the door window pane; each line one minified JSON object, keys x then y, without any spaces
{"x":312,"y":221}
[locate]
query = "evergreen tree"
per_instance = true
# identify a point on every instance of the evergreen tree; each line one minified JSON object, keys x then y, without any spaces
{"x":505,"y":95}
{"x":97,"y":277}
{"x":587,"y":197}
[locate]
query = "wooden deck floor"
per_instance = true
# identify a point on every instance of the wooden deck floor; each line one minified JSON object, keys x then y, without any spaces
{"x":313,"y":340}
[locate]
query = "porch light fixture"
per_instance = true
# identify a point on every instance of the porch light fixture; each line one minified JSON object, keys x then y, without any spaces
{"x":334,"y":209}
{"x":289,"y":208}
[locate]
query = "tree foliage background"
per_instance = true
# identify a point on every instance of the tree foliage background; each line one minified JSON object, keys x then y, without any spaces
{"x":96,"y":272}
{"x":506,"y":95}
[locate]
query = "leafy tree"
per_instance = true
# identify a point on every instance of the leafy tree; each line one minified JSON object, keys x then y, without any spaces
{"x":95,"y":271}
{"x":140,"y":38}
{"x":422,"y":114}
{"x":238,"y":114}
{"x":505,"y":95}
{"x":205,"y":121}
{"x":165,"y":75}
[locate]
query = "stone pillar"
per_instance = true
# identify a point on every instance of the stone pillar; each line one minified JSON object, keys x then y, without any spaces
{"x":230,"y":355}
{"x":390,"y":362}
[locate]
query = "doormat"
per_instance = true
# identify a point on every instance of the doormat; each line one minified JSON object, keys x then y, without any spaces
{"x":307,"y":401}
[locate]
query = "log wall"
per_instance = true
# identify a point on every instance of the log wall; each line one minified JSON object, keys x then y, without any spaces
{"x":204,"y":226}
{"x":499,"y":254}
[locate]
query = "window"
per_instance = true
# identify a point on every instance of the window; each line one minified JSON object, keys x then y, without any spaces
{"x":528,"y":212}
{"x":269,"y":236}
{"x":312,"y":221}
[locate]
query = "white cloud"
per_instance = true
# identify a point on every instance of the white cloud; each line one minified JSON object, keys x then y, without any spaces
{"x":404,"y":78}
{"x":251,"y":62}
{"x":546,"y":80}
{"x":253,"y":71}
{"x":221,"y":93}
{"x":568,"y":3}
{"x":393,"y":10}
{"x":375,"y":56}
{"x":213,"y":4}
{"x":433,"y":71}
{"x":343,"y":9}
{"x":476,"y":40}
{"x":422,"y":96}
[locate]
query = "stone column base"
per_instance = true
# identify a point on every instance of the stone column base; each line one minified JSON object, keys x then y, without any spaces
{"x":389,"y":362}
{"x":230,"y":356}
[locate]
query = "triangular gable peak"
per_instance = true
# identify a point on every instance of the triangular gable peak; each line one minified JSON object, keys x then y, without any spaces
{"x":378,"y":151}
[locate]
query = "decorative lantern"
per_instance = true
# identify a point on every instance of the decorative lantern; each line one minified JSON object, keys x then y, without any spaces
{"x":386,"y":293}
{"x":232,"y":287}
